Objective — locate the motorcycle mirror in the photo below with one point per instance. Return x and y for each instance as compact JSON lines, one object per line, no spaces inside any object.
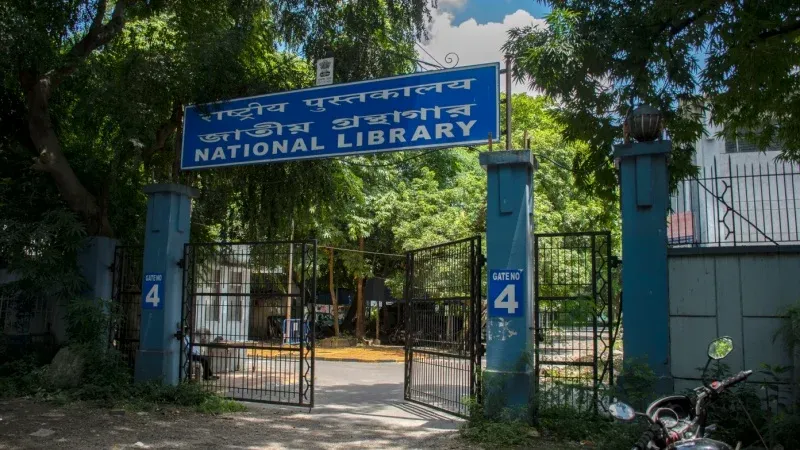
{"x":720,"y":347}
{"x":622,"y":411}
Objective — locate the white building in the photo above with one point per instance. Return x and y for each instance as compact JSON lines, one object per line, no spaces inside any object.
{"x":741,"y":196}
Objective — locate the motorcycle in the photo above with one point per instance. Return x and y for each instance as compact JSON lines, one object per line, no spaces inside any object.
{"x":679,"y":422}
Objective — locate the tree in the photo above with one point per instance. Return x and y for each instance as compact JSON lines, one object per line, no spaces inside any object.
{"x":90,"y":111}
{"x":596,"y":59}
{"x":99,"y":85}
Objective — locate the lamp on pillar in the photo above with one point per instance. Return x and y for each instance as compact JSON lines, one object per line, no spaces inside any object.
{"x":644,"y":199}
{"x":645,"y":123}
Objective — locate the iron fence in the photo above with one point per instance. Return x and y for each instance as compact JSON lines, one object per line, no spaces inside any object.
{"x":731,"y":204}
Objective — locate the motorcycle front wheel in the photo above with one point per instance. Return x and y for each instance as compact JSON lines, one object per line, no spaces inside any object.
{"x":701,"y":444}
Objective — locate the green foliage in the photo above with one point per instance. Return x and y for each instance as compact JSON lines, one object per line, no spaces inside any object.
{"x":635,"y":384}
{"x":728,"y":410}
{"x":41,"y":252}
{"x":21,"y":376}
{"x":106,"y":377}
{"x":556,"y":427}
{"x":597,"y":58}
{"x":87,"y":322}
{"x":117,"y":116}
{"x":789,"y":331}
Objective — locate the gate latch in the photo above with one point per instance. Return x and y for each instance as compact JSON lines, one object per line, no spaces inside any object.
{"x":179,"y":334}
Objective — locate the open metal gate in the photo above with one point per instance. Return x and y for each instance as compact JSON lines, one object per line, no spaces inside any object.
{"x":248,"y":310}
{"x":443,"y":325}
{"x":573,"y":319}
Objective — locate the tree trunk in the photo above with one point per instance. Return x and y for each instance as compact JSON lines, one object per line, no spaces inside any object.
{"x":360,"y":325}
{"x":51,"y":160}
{"x":38,"y":88}
{"x":334,"y":300}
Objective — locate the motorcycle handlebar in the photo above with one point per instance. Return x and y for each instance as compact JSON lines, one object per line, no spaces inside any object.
{"x":728,"y":382}
{"x":645,"y":439}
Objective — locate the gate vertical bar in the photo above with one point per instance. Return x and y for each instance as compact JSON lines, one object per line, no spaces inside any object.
{"x":314,"y":318}
{"x":302,"y":306}
{"x":471,"y":315}
{"x":408,"y":321}
{"x":182,"y":364}
{"x":593,"y":254}
{"x":610,"y":310}
{"x":537,"y":326}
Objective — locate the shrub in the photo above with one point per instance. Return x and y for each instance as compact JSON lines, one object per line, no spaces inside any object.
{"x":106,"y":378}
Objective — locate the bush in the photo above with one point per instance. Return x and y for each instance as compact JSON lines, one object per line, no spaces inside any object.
{"x":106,"y":377}
{"x":554,"y":424}
{"x":555,"y":421}
{"x":23,"y":376}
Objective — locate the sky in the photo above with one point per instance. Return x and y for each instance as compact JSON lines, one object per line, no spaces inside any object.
{"x":477,"y":29}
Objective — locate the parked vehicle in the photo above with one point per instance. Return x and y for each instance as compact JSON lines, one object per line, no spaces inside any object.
{"x":678,"y":421}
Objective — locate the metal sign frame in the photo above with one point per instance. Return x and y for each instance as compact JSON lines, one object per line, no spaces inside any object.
{"x":364,"y":107}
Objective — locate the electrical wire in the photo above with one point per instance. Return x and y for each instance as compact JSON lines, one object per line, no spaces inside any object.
{"x":395,"y":163}
{"x":360,"y":251}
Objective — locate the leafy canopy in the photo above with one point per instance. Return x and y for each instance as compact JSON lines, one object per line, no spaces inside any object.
{"x":597,"y":58}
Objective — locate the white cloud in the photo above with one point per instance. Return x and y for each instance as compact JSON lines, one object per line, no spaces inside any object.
{"x":474,"y":43}
{"x":451,"y":4}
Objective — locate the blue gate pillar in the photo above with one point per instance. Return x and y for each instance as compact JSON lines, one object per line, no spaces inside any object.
{"x":166,"y":233}
{"x":644,"y":198}
{"x":509,"y":213}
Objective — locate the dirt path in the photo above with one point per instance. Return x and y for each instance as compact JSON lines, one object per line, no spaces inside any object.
{"x":358,"y":405}
{"x":27,"y":424}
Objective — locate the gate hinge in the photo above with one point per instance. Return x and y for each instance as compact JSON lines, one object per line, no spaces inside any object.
{"x":181,"y":262}
{"x":481,"y":260}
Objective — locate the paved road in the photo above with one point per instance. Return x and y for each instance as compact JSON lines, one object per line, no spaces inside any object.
{"x":373,"y":392}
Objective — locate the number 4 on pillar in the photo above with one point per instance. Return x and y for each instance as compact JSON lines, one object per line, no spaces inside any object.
{"x":506,"y":298}
{"x":152,"y":290}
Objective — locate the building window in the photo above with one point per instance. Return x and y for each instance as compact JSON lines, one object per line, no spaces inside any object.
{"x":741,"y":145}
{"x":216,"y":291}
{"x":235,"y":300}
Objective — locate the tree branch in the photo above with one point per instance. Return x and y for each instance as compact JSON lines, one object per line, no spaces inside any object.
{"x":164,"y":132}
{"x":786,"y":29}
{"x":99,"y":34}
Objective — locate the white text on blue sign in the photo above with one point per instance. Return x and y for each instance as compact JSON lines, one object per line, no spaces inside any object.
{"x":152,"y":291}
{"x":506,"y":293}
{"x":425,"y":110}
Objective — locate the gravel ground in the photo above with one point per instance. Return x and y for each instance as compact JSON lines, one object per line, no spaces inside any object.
{"x":359,"y":405}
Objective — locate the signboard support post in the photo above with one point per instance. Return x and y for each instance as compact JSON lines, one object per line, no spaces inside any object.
{"x":508,"y":102}
{"x":510,"y":295}
{"x":166,"y":233}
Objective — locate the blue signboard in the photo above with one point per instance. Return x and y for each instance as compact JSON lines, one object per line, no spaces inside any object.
{"x":423,"y":110}
{"x":506,"y":296}
{"x":152,"y":291}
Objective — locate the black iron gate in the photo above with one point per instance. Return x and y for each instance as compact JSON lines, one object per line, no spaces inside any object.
{"x":126,"y":294}
{"x":573,"y":319}
{"x":247,"y":324}
{"x":443,"y":325}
